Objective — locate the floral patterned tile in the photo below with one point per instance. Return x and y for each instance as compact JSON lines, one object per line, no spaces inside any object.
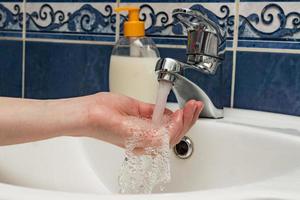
{"x":97,"y":20}
{"x":11,"y":19}
{"x":159,"y":21}
{"x":71,"y":20}
{"x":276,"y":24}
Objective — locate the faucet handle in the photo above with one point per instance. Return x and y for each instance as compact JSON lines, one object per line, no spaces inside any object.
{"x":193,"y":19}
{"x":206,"y":38}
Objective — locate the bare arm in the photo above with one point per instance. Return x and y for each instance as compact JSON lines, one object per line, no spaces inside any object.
{"x":26,"y":120}
{"x":99,"y":116}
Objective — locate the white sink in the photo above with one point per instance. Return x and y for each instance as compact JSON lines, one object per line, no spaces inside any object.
{"x":246,"y":155}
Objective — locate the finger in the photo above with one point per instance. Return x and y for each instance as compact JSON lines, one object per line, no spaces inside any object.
{"x":185,"y":128}
{"x":178,"y":138}
{"x":146,"y":110}
{"x":200,"y":107}
{"x":188,"y":115}
{"x":189,"y":118}
{"x":176,"y":127}
{"x":168,"y":112}
{"x":139,"y":151}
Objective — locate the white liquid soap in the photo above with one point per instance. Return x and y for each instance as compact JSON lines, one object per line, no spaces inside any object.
{"x":134,"y":77}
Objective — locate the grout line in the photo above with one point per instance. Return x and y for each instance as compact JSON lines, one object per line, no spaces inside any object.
{"x":267,"y":50}
{"x":171,"y":46}
{"x":234,"y":46}
{"x":11,"y":38}
{"x":70,"y":41}
{"x":242,"y":49}
{"x":90,"y":42}
{"x":69,"y":34}
{"x":174,"y":46}
{"x":23,"y":48}
{"x":99,"y":42}
{"x":117,"y":22}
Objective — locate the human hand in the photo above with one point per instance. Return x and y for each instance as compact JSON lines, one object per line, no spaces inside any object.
{"x":108,"y":113}
{"x":103,"y":116}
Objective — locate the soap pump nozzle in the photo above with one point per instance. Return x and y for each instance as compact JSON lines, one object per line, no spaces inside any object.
{"x":133,"y":27}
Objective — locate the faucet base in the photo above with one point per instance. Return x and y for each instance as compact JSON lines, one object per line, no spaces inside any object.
{"x":186,"y":90}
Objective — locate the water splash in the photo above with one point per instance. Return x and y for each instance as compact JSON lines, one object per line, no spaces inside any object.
{"x":146,"y":164}
{"x":147,"y":154}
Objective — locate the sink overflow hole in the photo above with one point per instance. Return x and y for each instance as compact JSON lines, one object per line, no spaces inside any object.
{"x":184,"y":149}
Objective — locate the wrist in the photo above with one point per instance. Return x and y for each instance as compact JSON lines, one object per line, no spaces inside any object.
{"x":69,"y":116}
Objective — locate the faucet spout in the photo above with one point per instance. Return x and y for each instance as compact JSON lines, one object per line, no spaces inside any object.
{"x":206,"y":45}
{"x":171,"y":70}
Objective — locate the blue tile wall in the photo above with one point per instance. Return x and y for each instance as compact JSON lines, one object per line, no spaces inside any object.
{"x":268,"y":82}
{"x":57,"y":70}
{"x":10,"y":68}
{"x":68,"y":44}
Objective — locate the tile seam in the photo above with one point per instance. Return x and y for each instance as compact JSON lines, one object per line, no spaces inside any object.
{"x":242,"y":49}
{"x":23,"y":48}
{"x":269,"y":50}
{"x":234,"y":46}
{"x":117,"y":35}
{"x":69,"y":41}
{"x":11,"y":38}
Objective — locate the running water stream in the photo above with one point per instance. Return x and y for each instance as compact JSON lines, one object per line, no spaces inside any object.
{"x":164,"y":89}
{"x":147,"y":162}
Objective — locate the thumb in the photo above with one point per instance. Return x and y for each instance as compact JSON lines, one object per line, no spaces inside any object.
{"x":176,"y":126}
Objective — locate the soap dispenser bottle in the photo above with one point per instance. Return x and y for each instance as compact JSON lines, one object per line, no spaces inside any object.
{"x":133,"y":61}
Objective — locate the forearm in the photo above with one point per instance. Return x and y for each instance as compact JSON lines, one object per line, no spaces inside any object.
{"x":26,"y":120}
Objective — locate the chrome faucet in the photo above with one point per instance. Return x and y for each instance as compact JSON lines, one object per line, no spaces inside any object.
{"x":205,"y":52}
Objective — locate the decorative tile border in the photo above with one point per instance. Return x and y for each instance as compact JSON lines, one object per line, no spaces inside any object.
{"x":261,"y":23}
{"x":11,"y":19}
{"x":160,"y":24}
{"x":159,"y":21}
{"x":86,"y":20}
{"x":269,"y":22}
{"x":77,"y":18}
{"x":79,"y":21}
{"x":100,"y":18}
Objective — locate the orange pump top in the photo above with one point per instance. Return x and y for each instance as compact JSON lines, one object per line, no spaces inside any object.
{"x":133,"y":27}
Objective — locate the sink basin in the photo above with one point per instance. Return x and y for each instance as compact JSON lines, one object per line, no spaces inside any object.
{"x":245,"y":151}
